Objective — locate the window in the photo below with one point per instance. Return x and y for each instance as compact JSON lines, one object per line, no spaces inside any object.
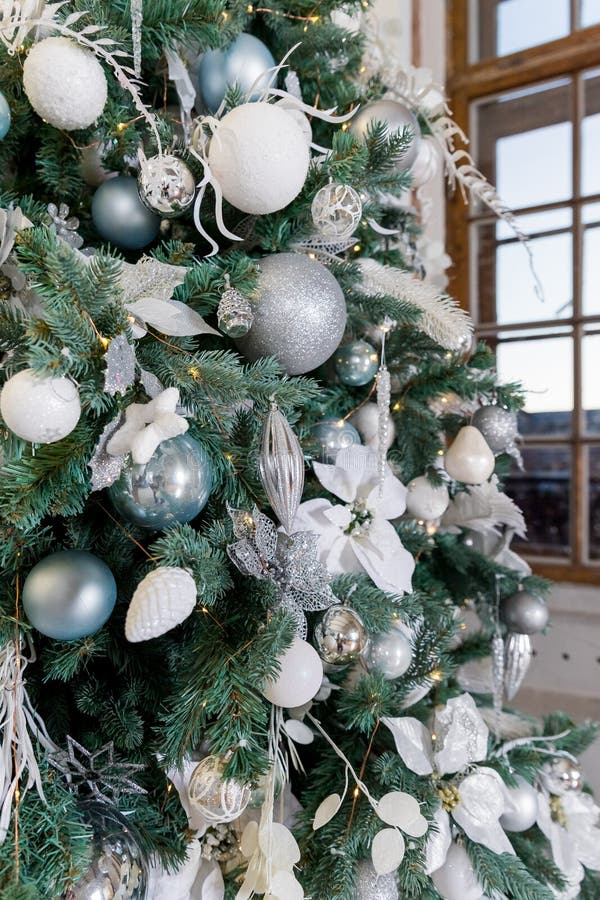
{"x":526,"y":87}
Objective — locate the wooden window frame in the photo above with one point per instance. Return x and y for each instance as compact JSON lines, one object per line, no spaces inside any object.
{"x":474,"y":81}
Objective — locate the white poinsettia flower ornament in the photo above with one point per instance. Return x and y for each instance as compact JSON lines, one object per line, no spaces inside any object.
{"x":571,"y":824}
{"x":357,"y":536}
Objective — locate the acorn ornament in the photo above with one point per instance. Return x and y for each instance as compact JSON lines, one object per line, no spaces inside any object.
{"x":469,"y":458}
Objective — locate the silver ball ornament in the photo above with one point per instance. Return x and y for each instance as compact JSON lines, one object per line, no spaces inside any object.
{"x":242,"y":64}
{"x":396,"y":116}
{"x":522,"y":808}
{"x":371,"y":886}
{"x":173,"y":487}
{"x":215,"y":797}
{"x":117,"y":869}
{"x":166,"y":186}
{"x":498,"y":426}
{"x":336,"y":210}
{"x":524,"y":613}
{"x":561,"y":775}
{"x":340,"y":635}
{"x":119,"y":215}
{"x":333,"y":435}
{"x":299,"y":313}
{"x":389,"y":653}
{"x":356,"y":363}
{"x":69,"y":595}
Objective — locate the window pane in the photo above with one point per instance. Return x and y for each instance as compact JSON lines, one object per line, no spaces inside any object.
{"x":594,"y":503}
{"x":591,"y":255}
{"x":505,"y":26}
{"x":590,"y":354}
{"x":589,"y":12}
{"x":533,"y":223}
{"x":543,"y":493}
{"x":545,"y":369}
{"x":516,"y":298}
{"x":590,"y":135}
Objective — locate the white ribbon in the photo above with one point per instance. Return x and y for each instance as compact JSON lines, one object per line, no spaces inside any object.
{"x":186,"y":92}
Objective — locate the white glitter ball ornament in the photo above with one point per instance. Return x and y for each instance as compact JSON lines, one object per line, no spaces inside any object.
{"x":162,"y":600}
{"x":216,"y":798}
{"x":64,"y":83}
{"x":336,"y":210}
{"x":40,"y":410}
{"x":260,"y":157}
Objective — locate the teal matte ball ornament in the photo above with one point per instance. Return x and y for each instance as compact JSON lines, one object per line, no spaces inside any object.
{"x":172,"y":487}
{"x":356,"y":363}
{"x":241,"y":64}
{"x":4,"y":116}
{"x":331,"y":436}
{"x":120,"y":217}
{"x":69,"y":595}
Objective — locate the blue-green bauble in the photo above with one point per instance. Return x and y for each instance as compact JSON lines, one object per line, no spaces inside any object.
{"x":242,"y":63}
{"x":69,"y":595}
{"x":356,"y":363}
{"x":173,"y":487}
{"x":120,"y":217}
{"x":331,"y":436}
{"x":4,"y":116}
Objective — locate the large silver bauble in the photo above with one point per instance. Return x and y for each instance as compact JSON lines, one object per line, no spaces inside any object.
{"x":117,"y":870}
{"x":524,"y":613}
{"x":562,"y":774}
{"x":242,"y":64}
{"x":173,"y":487}
{"x":497,"y":425}
{"x":333,"y":435}
{"x":356,"y":363}
{"x":69,"y":595}
{"x":166,"y":185}
{"x":522,"y":807}
{"x":340,"y":635}
{"x":389,"y":652}
{"x":397,"y":116}
{"x":216,"y":798}
{"x":299,"y":313}
{"x":371,"y":886}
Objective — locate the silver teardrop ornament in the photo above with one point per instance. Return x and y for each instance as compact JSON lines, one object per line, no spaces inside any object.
{"x":281,"y":466}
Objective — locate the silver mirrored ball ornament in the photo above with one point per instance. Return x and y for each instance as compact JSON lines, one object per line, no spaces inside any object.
{"x":333,"y":435}
{"x":336,"y":210}
{"x":215,"y":797}
{"x":389,"y":653}
{"x":340,"y":635}
{"x":119,"y":215}
{"x":524,"y":613}
{"x":173,"y":487}
{"x":498,"y":426}
{"x":562,"y":774}
{"x":396,"y":116}
{"x":242,"y":63}
{"x":356,"y":363}
{"x":166,"y":185}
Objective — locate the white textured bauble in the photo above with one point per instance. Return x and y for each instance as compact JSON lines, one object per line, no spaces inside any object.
{"x":456,"y":880}
{"x":469,"y":458}
{"x":40,"y":410}
{"x":300,"y":676}
{"x":336,"y":210}
{"x":64,"y":83}
{"x":299,"y":117}
{"x":299,"y":313}
{"x":162,"y":600}
{"x":216,"y":798}
{"x":371,"y":886}
{"x":521,"y":810}
{"x":366,"y":420}
{"x":260,"y":157}
{"x":425,"y":500}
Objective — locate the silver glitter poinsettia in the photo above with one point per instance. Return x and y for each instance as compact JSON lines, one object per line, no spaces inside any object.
{"x":290,"y":561}
{"x":103,"y":776}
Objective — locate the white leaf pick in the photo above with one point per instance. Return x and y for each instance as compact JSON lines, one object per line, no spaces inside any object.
{"x":417,"y":827}
{"x":279,"y":846}
{"x":298,"y":731}
{"x":249,"y":841}
{"x":396,"y":808}
{"x":387,"y":851}
{"x":171,"y":317}
{"x":326,"y":810}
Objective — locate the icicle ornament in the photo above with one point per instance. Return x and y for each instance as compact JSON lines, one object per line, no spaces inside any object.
{"x":384,"y":396}
{"x":281,"y":465}
{"x":137,"y":16}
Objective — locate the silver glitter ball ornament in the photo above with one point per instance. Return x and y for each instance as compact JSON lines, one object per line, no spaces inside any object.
{"x":299,"y":313}
{"x":173,"y":487}
{"x":333,"y":435}
{"x":524,"y":613}
{"x":389,"y":652}
{"x":498,"y":426}
{"x":340,"y":636}
{"x":215,"y":797}
{"x":521,"y":808}
{"x":396,"y":116}
{"x":166,"y":186}
{"x":234,"y":314}
{"x":562,"y":774}
{"x":117,"y":869}
{"x":371,"y":886}
{"x":356,"y":363}
{"x":336,"y":210}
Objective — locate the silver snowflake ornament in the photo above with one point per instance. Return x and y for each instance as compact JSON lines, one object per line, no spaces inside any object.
{"x":98,"y":772}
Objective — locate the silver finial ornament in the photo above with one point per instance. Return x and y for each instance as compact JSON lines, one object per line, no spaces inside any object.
{"x":281,"y":465}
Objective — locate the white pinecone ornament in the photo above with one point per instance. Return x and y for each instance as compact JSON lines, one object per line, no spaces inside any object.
{"x":162,"y":600}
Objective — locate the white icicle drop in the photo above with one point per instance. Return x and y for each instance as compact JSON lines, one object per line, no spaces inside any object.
{"x":162,"y":600}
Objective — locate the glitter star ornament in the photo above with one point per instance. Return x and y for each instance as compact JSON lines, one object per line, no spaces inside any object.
{"x":96,"y":773}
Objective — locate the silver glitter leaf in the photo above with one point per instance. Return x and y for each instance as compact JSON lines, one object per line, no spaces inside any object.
{"x":105,"y":468}
{"x":151,"y":384}
{"x":281,"y":466}
{"x":517,"y":658}
{"x":102,"y":776}
{"x":120,"y":366}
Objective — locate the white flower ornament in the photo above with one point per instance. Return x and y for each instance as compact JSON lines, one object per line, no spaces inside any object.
{"x":570,"y":822}
{"x":146,"y":426}
{"x":358,"y":536}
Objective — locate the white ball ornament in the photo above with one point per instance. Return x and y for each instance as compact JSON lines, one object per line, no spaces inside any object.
{"x":521,"y":810}
{"x":260,"y":157}
{"x":162,"y":600}
{"x":425,"y":500}
{"x":366,"y":420}
{"x":64,"y":83}
{"x":456,"y":879}
{"x":469,"y":458}
{"x":300,"y":676}
{"x":40,"y":410}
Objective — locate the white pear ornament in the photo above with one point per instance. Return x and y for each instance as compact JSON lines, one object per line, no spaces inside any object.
{"x":469,"y":458}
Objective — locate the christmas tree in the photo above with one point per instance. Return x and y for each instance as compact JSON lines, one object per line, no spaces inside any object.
{"x":251,"y":486}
